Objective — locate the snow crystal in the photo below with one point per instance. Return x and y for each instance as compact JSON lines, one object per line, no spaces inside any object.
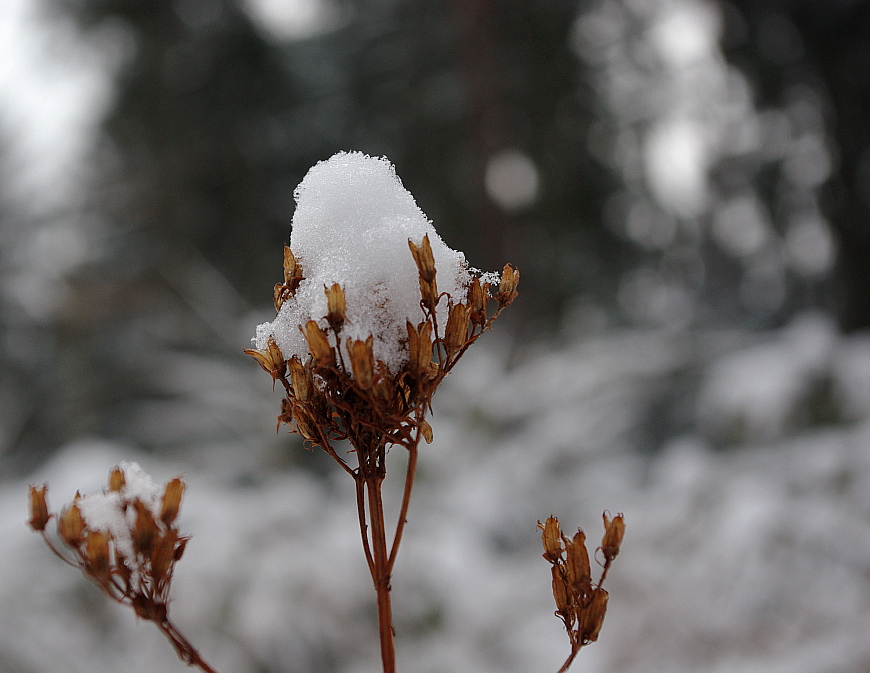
{"x":352,"y":224}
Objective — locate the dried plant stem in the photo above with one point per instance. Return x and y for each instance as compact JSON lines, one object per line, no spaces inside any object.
{"x":381,"y":573}
{"x":186,"y":652}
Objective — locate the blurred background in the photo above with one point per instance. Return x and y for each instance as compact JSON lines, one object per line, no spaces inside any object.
{"x":685,"y":186}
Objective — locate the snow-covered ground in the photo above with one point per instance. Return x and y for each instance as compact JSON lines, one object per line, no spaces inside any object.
{"x":746,"y":550}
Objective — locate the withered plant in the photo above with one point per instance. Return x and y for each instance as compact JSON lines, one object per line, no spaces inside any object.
{"x":580,"y":603}
{"x":127,"y":544}
{"x":341,"y":391}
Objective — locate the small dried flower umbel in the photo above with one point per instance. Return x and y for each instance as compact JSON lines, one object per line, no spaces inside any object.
{"x":341,"y":391}
{"x":125,"y":541}
{"x":580,"y":602}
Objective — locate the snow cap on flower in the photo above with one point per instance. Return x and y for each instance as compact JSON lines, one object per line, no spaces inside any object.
{"x":353,"y":223}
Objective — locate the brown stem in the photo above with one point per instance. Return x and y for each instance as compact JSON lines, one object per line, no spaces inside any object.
{"x":186,"y":652}
{"x":363,"y":526}
{"x":406,"y":499}
{"x":382,"y":572}
{"x":575,"y":648}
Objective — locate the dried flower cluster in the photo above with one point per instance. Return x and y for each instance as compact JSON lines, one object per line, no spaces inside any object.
{"x":127,"y":542}
{"x":341,"y":391}
{"x":580,"y":603}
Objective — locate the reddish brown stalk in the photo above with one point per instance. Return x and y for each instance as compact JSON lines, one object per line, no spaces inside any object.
{"x":381,"y":573}
{"x":186,"y":652}
{"x":406,"y":500}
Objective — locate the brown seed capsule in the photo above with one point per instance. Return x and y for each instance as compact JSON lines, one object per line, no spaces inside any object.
{"x":560,"y":591}
{"x":336,"y":307}
{"x":171,"y":502}
{"x":318,"y":344}
{"x":39,"y":515}
{"x":614,"y":531}
{"x":292,"y":270}
{"x":300,"y":380}
{"x":423,"y":257}
{"x":97,"y":553}
{"x":271,"y":359}
{"x":456,"y":332}
{"x":419,"y":347}
{"x":551,"y":536}
{"x":593,"y":616}
{"x":362,"y":362}
{"x":117,"y":480}
{"x":577,"y":564}
{"x":507,"y":288}
{"x":477,"y":295}
{"x":71,"y":525}
{"x":144,"y":529}
{"x":163,"y":555}
{"x":426,"y":431}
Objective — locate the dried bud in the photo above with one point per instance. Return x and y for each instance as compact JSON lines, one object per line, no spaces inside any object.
{"x":318,"y":344}
{"x":117,"y":480}
{"x":593,"y":616}
{"x":560,"y":591}
{"x":614,"y":530}
{"x":456,"y":332}
{"x":579,"y":574}
{"x":97,"y":553}
{"x":163,"y":555}
{"x":39,"y":515}
{"x":271,"y":359}
{"x":292,"y":270}
{"x":423,"y":257}
{"x":144,"y":529}
{"x":171,"y":500}
{"x":300,"y":378}
{"x":477,"y":296}
{"x":71,"y":525}
{"x":336,"y":307}
{"x":426,"y":431}
{"x":362,"y":362}
{"x":304,"y":425}
{"x":507,"y":288}
{"x":419,"y":347}
{"x":551,"y":536}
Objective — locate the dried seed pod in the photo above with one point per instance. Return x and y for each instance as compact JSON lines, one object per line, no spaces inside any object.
{"x":577,"y":563}
{"x":560,"y":592}
{"x":145,"y":529}
{"x":300,"y":380}
{"x":362,"y":362}
{"x":97,"y":553}
{"x":336,"y":307}
{"x":426,"y":431}
{"x":423,"y":257}
{"x":507,"y":288}
{"x":456,"y":332}
{"x":614,"y":531}
{"x":593,"y":616}
{"x":171,"y":501}
{"x":117,"y":480}
{"x":163,"y":555}
{"x":271,"y":359}
{"x":551,"y":536}
{"x":292,"y":270}
{"x":419,"y":347}
{"x":39,"y":515}
{"x":318,"y":344}
{"x":477,"y":296}
{"x":71,"y":526}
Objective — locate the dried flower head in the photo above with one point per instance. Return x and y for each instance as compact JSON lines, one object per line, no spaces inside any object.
{"x":126,"y":541}
{"x":580,"y":603}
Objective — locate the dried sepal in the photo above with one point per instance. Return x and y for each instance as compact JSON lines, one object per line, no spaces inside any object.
{"x":97,"y":553}
{"x":477,"y":297}
{"x":300,"y":380}
{"x":39,"y":515}
{"x":456,"y":332}
{"x":507,"y":288}
{"x":336,"y":307}
{"x":271,"y":359}
{"x":560,"y":592}
{"x":171,"y":501}
{"x":419,"y":347}
{"x":71,"y":525}
{"x":318,"y":343}
{"x":551,"y":537}
{"x":577,"y":562}
{"x":292,"y":270}
{"x":362,"y":361}
{"x":614,"y":531}
{"x":117,"y":480}
{"x":426,"y":269}
{"x":593,"y":616}
{"x":145,"y":528}
{"x":426,"y":431}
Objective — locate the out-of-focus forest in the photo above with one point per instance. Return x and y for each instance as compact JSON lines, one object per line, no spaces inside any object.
{"x":685,"y":187}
